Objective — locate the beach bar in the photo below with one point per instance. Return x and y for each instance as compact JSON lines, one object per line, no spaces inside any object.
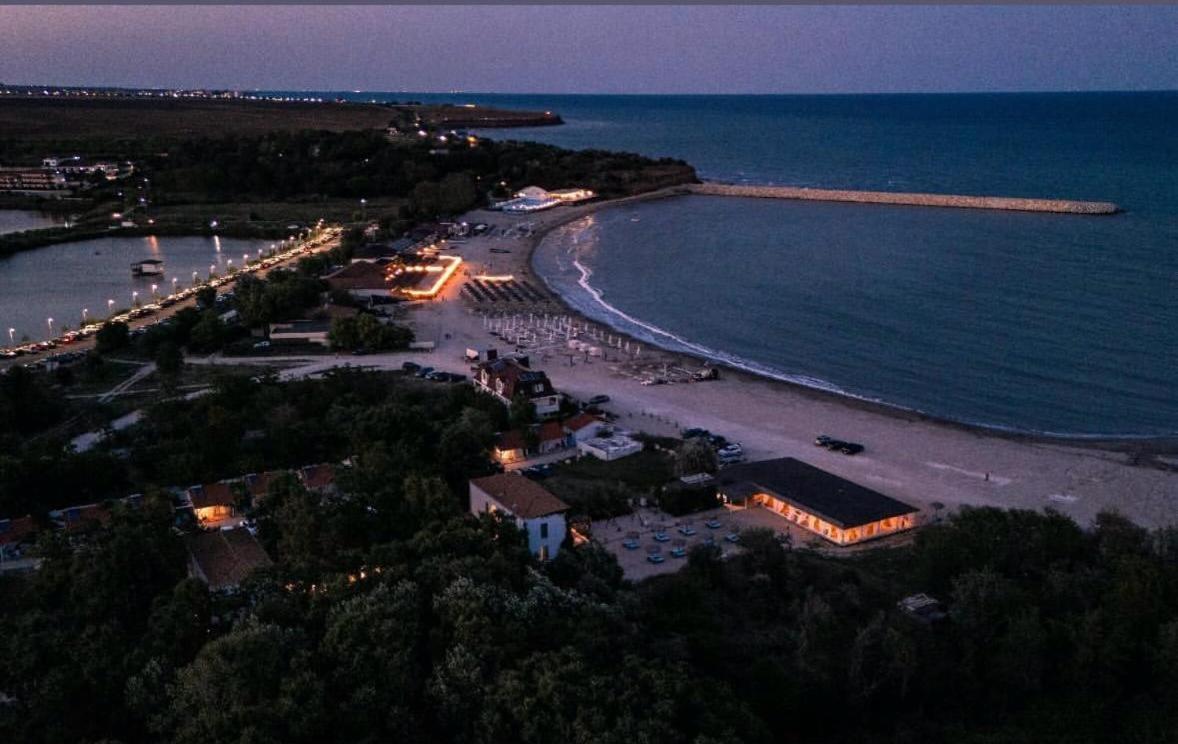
{"x":831,"y":507}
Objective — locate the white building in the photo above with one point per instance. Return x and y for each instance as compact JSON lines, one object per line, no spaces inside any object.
{"x":584,"y":426}
{"x":307,"y":331}
{"x":610,"y":448}
{"x":531,"y":506}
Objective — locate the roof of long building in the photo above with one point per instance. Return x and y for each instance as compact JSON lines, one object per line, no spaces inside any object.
{"x":837,"y":500}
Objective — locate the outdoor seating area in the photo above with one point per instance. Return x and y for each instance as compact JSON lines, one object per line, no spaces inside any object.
{"x":650,"y":542}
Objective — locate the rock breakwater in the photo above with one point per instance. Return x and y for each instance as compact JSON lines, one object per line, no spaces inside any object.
{"x":1016,"y":204}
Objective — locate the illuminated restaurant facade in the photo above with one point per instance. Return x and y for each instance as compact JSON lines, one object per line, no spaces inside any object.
{"x":834,"y":508}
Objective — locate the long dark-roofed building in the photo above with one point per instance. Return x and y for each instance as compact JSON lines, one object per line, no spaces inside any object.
{"x":834,"y":508}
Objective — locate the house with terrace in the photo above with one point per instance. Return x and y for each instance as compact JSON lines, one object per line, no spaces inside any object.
{"x":507,"y":378}
{"x":831,"y":507}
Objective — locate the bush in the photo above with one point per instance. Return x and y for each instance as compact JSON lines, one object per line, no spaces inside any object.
{"x":678,"y":499}
{"x":366,"y":332}
{"x":112,"y":336}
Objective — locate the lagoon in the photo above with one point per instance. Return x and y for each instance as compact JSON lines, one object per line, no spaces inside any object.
{"x":16,"y":220}
{"x":58,"y":281}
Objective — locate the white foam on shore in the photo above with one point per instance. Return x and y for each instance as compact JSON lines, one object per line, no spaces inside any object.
{"x":572,"y":232}
{"x":699,"y":349}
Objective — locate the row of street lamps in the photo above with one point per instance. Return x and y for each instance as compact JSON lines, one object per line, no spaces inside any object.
{"x":110,"y":304}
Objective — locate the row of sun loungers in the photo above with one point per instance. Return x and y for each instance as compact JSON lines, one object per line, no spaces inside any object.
{"x":502,"y":292}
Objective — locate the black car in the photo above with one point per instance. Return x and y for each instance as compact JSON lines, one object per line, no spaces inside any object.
{"x":410,"y":367}
{"x":838,"y":445}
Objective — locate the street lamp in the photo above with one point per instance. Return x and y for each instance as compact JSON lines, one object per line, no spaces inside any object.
{"x":11,"y":336}
{"x":364,"y":207}
{"x":135,"y":298}
{"x":85,"y":315}
{"x":110,"y":306}
{"x":154,"y":287}
{"x":174,"y":280}
{"x":50,"y":322}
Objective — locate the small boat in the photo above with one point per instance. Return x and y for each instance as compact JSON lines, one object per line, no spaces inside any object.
{"x":148,"y":267}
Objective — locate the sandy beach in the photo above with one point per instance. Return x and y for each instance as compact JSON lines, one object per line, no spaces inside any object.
{"x":908,"y":456}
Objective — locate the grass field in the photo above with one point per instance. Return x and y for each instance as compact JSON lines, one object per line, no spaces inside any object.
{"x":39,"y":118}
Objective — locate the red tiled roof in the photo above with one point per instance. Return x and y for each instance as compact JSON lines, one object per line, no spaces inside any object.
{"x":580,"y":421}
{"x":318,"y":476}
{"x":259,"y":483}
{"x":516,"y":378}
{"x":76,"y":518}
{"x":521,"y":496}
{"x":212,"y":494}
{"x":226,"y":557}
{"x":361,"y":275}
{"x":510,"y":440}
{"x":13,"y":531}
{"x":550,"y":431}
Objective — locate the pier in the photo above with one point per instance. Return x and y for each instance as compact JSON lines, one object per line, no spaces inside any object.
{"x":1004,"y":203}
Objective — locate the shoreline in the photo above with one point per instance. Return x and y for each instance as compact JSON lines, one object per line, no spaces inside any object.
{"x":1154,"y":444}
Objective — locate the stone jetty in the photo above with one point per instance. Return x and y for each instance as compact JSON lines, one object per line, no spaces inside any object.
{"x":1058,"y":206}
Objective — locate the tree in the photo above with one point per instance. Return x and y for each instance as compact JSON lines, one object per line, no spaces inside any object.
{"x":169,"y":360}
{"x":373,"y":646}
{"x":208,"y":334}
{"x":252,"y":685}
{"x":206,"y":297}
{"x":112,"y":336}
{"x":695,"y":456}
{"x":522,"y":413}
{"x":363,"y":331}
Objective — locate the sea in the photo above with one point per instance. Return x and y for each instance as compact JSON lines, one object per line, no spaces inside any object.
{"x":1050,"y":324}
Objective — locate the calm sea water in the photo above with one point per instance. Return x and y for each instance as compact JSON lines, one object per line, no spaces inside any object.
{"x":1030,"y":322}
{"x":58,"y":281}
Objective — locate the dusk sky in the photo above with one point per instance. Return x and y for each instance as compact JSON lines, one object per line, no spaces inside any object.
{"x":596,"y":49}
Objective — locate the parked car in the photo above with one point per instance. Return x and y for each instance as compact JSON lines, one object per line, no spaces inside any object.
{"x":597,"y":400}
{"x":838,"y":445}
{"x":422,"y":372}
{"x":410,"y":367}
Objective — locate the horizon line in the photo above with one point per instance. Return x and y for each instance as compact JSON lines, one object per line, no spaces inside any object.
{"x":353,"y":91}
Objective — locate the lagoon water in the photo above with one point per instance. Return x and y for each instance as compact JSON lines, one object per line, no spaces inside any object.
{"x":58,"y":281}
{"x":16,"y":220}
